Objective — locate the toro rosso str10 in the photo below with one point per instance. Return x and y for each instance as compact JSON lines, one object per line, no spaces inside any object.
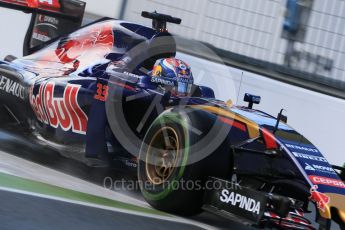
{"x":89,"y":88}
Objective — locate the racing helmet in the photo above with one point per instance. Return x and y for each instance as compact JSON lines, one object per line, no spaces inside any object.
{"x":175,"y":73}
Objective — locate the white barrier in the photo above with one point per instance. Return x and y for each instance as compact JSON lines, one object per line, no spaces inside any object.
{"x":317,"y":116}
{"x":13,"y":26}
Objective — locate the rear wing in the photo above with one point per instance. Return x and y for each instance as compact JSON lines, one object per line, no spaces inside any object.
{"x":50,"y":19}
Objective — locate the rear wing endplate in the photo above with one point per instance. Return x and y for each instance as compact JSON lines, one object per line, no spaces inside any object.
{"x":50,"y":19}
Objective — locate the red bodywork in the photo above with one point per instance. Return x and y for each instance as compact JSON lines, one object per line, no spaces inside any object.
{"x":49,"y":5}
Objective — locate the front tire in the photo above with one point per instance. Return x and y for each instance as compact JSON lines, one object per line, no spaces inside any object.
{"x":170,"y":180}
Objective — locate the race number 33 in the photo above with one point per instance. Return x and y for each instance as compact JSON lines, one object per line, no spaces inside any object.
{"x":102,"y":92}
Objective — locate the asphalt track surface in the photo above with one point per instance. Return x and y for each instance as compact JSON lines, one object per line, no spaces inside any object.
{"x":20,"y":211}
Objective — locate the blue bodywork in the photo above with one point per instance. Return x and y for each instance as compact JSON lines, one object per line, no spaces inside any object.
{"x":62,"y":91}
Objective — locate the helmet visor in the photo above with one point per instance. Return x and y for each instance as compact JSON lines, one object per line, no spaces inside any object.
{"x":184,"y":88}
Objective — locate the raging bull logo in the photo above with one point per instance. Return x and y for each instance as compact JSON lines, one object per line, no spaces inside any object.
{"x":240,"y":201}
{"x":11,"y":87}
{"x":63,"y":112}
{"x":319,"y":198}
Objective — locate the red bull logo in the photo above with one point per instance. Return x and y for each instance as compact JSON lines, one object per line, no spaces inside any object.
{"x":157,"y":71}
{"x":62,"y":112}
{"x":183,"y":72}
{"x":319,"y":198}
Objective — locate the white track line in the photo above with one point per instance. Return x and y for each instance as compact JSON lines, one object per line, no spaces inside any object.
{"x":19,"y":167}
{"x":130,"y":212}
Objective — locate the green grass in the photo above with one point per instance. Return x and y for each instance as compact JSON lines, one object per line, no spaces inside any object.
{"x":14,"y":182}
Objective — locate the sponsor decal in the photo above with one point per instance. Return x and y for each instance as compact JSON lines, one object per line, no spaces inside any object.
{"x":131,"y":74}
{"x":327,"y":181}
{"x":184,"y":79}
{"x":309,"y":167}
{"x":313,"y":150}
{"x":319,"y":198}
{"x":47,"y":19}
{"x":309,"y":157}
{"x":162,"y":81}
{"x":62,"y":112}
{"x":240,"y":201}
{"x":11,"y":87}
{"x":319,"y":168}
{"x":40,"y":35}
{"x":131,"y":164}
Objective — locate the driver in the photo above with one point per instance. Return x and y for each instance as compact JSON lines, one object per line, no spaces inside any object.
{"x":173,"y":75}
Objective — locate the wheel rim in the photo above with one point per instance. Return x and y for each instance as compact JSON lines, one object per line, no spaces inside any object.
{"x":162,"y":155}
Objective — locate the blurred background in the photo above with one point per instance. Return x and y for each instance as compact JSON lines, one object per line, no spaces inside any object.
{"x":291,"y":52}
{"x":305,"y":35}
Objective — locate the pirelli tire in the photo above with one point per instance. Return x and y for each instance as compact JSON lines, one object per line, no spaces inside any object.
{"x":180,"y":188}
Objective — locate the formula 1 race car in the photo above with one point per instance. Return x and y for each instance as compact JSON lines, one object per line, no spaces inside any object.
{"x":88,"y":89}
